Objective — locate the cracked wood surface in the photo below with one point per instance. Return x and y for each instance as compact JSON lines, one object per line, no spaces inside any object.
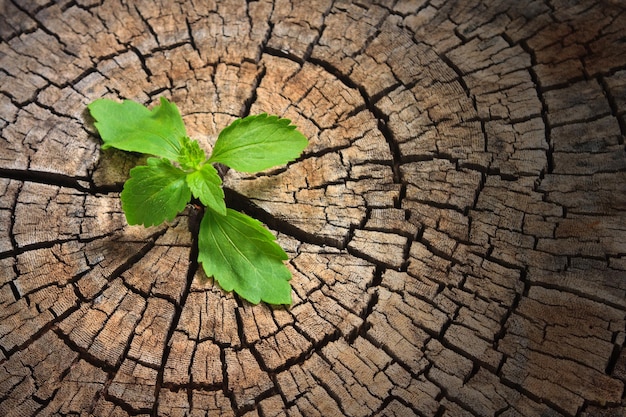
{"x":456,"y":228}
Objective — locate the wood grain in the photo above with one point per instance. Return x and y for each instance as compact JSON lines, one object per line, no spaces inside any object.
{"x":456,"y":228}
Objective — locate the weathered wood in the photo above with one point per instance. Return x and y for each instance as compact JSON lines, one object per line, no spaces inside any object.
{"x":456,"y":228}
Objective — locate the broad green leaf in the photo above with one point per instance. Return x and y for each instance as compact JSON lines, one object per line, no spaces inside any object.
{"x":258,"y":142}
{"x":191,"y":156}
{"x":154,"y":193}
{"x":243,"y":256}
{"x":205,"y":184}
{"x":129,"y":126}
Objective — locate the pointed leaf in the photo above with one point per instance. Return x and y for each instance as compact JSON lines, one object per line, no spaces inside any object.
{"x":258,"y":142}
{"x":129,"y":126}
{"x":243,"y":256}
{"x":154,"y":193}
{"x":191,"y":156}
{"x":205,"y":184}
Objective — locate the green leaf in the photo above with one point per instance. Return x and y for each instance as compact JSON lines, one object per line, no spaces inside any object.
{"x":129,"y":126}
{"x":191,"y":156}
{"x":258,"y":142}
{"x":154,"y":193}
{"x":205,"y":184}
{"x":243,"y":256}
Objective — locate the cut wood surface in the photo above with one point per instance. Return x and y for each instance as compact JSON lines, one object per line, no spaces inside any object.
{"x":456,"y":228}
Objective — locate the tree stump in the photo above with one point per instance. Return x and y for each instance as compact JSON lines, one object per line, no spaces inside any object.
{"x":456,"y":228}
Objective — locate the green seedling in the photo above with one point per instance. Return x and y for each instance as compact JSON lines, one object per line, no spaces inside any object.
{"x":234,"y":248}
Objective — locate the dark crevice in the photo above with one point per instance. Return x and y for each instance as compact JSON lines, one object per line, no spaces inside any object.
{"x":225,"y":381}
{"x":160,"y":48}
{"x":279,"y":53}
{"x":381,"y":117}
{"x":362,"y":255}
{"x":438,"y":156}
{"x":51,"y":325}
{"x":311,"y":290}
{"x":460,"y":401}
{"x":299,"y":359}
{"x":374,"y":99}
{"x":125,"y":266}
{"x":194,"y":227}
{"x":192,"y":40}
{"x":148,"y":25}
{"x":409,"y":369}
{"x":16,"y":32}
{"x":248,"y":408}
{"x":439,"y":205}
{"x":556,"y":355}
{"x":489,"y":256}
{"x":142,"y":60}
{"x":507,"y":119}
{"x":509,"y":312}
{"x":371,"y":304}
{"x":495,"y":172}
{"x":83,"y":353}
{"x":544,"y":107}
{"x":248,"y":102}
{"x":315,"y":347}
{"x":38,"y":245}
{"x":350,"y":236}
{"x":191,"y":386}
{"x":33,"y":15}
{"x":241,"y":203}
{"x":240,"y":325}
{"x":581,"y":294}
{"x":589,"y":119}
{"x":268,"y":32}
{"x":407,"y":159}
{"x":14,"y":290}
{"x":68,"y":84}
{"x":47,"y":178}
{"x":158,"y":92}
{"x":401,"y":196}
{"x":467,"y":210}
{"x":477,"y":362}
{"x":68,"y":5}
{"x":459,"y":78}
{"x":320,"y":33}
{"x":613,"y":360}
{"x":475,"y":368}
{"x":329,"y":389}
{"x":615,"y":111}
{"x":383,"y":127}
{"x":129,"y":409}
{"x":316,"y":154}
{"x":406,"y":254}
{"x":532,"y":396}
{"x":14,"y":244}
{"x":98,"y":395}
{"x":391,"y":398}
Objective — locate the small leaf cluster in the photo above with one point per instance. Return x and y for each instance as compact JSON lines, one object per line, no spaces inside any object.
{"x":233,"y":248}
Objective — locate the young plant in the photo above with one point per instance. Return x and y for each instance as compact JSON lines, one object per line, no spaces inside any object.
{"x":234,"y":248}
